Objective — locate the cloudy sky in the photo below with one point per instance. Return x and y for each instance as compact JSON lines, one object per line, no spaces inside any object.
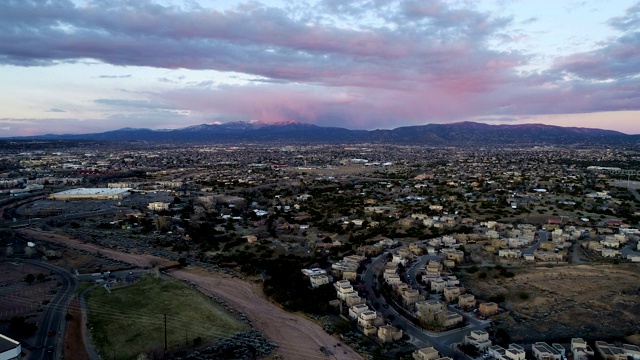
{"x":74,"y":66}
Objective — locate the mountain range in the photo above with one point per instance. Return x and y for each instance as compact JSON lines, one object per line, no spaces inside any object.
{"x":461,"y":133}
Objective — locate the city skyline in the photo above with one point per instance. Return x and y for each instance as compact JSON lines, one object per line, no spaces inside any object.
{"x":84,"y":66}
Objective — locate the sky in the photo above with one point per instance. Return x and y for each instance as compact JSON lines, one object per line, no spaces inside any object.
{"x":75,"y":66}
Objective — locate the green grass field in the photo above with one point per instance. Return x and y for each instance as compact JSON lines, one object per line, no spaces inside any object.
{"x":130,"y":321}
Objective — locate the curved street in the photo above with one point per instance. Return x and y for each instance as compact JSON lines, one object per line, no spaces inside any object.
{"x":419,"y":337}
{"x":54,"y":315}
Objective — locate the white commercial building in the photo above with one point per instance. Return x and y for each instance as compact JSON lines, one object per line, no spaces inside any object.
{"x":9,"y":348}
{"x":91,"y":194}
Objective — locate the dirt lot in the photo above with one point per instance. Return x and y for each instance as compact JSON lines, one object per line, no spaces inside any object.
{"x":17,"y":298}
{"x":140,"y":260}
{"x":589,"y":301}
{"x":296,"y":336}
{"x":73,"y":341}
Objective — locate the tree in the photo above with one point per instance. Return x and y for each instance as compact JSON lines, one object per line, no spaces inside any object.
{"x":161,"y":223}
{"x":29,"y":251}
{"x":343,"y":327}
{"x":378,"y":354}
{"x":29,"y":279}
{"x":19,"y":326}
{"x":502,"y":336}
{"x":40,"y":277}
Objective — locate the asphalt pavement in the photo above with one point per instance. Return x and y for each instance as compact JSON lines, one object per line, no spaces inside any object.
{"x":442,"y":341}
{"x":54,"y":314}
{"x":542,"y":237}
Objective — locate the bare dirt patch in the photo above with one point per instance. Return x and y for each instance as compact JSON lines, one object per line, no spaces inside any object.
{"x":74,"y":347}
{"x":17,"y":298}
{"x":590,"y":301}
{"x":140,"y":260}
{"x":633,"y":339}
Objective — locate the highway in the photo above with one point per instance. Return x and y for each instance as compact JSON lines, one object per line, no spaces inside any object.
{"x":54,"y":315}
{"x":419,"y":337}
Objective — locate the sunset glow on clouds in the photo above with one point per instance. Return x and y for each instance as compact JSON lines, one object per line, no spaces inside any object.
{"x":90,"y":66}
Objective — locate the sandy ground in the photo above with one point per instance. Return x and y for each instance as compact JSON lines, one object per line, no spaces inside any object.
{"x":296,"y":336}
{"x":73,"y":341}
{"x":572,"y":300}
{"x":17,"y":298}
{"x":140,"y":260}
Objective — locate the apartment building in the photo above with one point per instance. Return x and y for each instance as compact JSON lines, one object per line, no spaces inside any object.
{"x":488,"y":309}
{"x":479,"y":339}
{"x":543,"y":351}
{"x":389,"y":333}
{"x":580,"y":349}
{"x":467,"y":302}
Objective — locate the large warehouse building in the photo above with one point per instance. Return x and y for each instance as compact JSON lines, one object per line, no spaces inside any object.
{"x":91,"y":194}
{"x":9,"y":348}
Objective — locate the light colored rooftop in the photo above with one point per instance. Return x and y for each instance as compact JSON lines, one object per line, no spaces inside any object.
{"x":93,"y":191}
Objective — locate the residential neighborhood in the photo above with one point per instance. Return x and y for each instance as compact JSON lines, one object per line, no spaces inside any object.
{"x":393,"y":253}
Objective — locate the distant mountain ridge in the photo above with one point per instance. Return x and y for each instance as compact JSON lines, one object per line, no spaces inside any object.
{"x":460,"y":133}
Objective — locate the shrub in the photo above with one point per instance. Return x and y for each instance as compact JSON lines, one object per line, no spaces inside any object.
{"x":472,"y":270}
{"x":497,"y":298}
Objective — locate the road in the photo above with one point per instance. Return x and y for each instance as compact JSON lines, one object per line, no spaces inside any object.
{"x":543,"y":235}
{"x":121,"y":274}
{"x":66,"y":217}
{"x":419,"y":337}
{"x":54,"y":315}
{"x":628,"y":250}
{"x":411,"y":272}
{"x":575,"y":254}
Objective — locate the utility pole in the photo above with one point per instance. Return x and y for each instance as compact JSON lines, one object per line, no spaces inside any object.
{"x":165,"y":333}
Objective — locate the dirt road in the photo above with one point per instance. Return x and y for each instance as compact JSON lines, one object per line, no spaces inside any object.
{"x":140,"y":260}
{"x":296,"y":336}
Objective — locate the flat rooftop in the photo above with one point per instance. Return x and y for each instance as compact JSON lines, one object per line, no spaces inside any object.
{"x":6,"y":343}
{"x":93,"y":191}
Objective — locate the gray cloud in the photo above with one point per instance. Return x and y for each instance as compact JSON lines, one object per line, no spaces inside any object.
{"x":137,"y":104}
{"x":253,"y":39}
{"x":617,"y":59}
{"x":408,"y":61}
{"x":114,"y":76}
